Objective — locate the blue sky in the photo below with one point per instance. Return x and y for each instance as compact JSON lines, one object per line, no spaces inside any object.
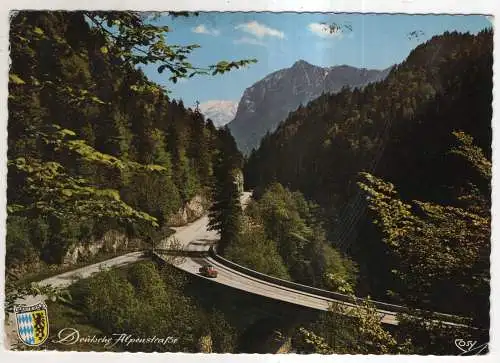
{"x":277,"y":40}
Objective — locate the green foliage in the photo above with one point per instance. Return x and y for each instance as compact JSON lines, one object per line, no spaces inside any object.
{"x":39,"y":242}
{"x":439,"y":247}
{"x":340,"y":272}
{"x":312,"y":343}
{"x":18,"y":242}
{"x":473,"y":154}
{"x":222,"y":333}
{"x":225,"y":213}
{"x":14,"y":78}
{"x":141,"y":304}
{"x":154,"y":193}
{"x":93,"y":142}
{"x":349,"y":330}
{"x":283,"y":223}
{"x":134,"y":38}
{"x":430,"y":247}
{"x":187,"y":174}
{"x":55,"y":193}
{"x":146,"y":301}
{"x":399,"y":129}
{"x":253,"y":250}
{"x":430,"y":336}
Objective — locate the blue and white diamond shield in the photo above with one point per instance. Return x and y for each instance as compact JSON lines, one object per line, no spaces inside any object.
{"x":32,"y":324}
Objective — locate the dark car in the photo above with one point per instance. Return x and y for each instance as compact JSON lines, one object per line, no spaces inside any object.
{"x":208,"y":271}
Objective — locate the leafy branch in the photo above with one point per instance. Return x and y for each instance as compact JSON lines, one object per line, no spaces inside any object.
{"x":52,"y":190}
{"x":129,"y":36}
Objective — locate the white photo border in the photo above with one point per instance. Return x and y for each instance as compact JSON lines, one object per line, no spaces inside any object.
{"x":483,"y":7}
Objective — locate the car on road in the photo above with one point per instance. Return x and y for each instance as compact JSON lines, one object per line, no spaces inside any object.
{"x":208,"y":271}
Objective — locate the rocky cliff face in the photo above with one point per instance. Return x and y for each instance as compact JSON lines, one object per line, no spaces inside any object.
{"x":265,"y":104}
{"x":113,"y":241}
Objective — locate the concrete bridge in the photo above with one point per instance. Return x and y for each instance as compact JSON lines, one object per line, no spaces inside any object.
{"x":197,"y":249}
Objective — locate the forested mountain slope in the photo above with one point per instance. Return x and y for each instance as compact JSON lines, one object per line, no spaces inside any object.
{"x":401,"y":130}
{"x":267,"y":102}
{"x":93,"y":144}
{"x":398,"y":127}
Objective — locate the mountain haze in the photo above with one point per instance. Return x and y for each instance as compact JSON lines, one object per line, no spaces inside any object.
{"x":266,"y":103}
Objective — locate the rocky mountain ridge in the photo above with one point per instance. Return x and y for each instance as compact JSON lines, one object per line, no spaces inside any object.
{"x":267,"y":102}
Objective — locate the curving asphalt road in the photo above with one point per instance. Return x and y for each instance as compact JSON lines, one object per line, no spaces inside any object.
{"x":197,"y":238}
{"x":188,"y":233}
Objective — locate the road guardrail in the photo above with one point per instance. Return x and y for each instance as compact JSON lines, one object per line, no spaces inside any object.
{"x":386,"y":307}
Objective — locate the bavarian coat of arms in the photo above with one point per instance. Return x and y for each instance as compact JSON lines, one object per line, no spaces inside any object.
{"x":32,"y":324}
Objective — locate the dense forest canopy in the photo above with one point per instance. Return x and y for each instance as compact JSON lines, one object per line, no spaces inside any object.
{"x":443,"y":85}
{"x":93,"y":144}
{"x":282,"y":234}
{"x":402,"y":133}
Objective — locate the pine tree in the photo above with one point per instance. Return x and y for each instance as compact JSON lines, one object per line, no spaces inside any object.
{"x":225,"y":213}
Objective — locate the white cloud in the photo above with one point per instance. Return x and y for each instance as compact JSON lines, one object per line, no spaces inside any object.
{"x":260,"y":30}
{"x":202,"y":29}
{"x":248,"y":40}
{"x":324,"y":31}
{"x":491,"y":19}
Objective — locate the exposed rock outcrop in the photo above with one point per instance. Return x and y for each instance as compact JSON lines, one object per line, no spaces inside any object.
{"x":111,"y":242}
{"x":191,"y":211}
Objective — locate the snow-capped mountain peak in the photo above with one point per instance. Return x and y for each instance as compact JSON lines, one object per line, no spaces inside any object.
{"x":219,"y":111}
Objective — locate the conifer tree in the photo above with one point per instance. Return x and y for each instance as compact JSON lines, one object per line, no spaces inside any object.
{"x":225,"y":213}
